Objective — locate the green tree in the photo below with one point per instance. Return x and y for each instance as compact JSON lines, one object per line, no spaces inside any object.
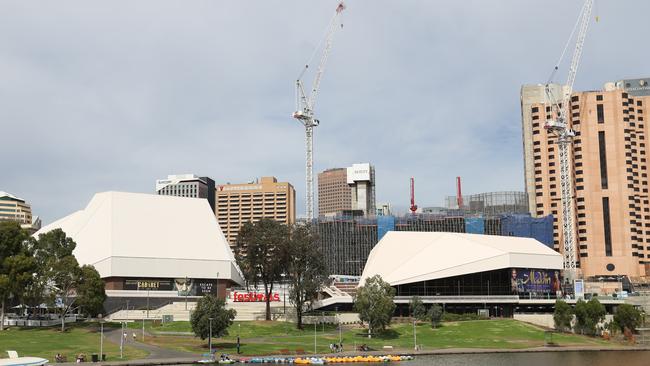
{"x":59,"y":270}
{"x":16,"y":264}
{"x":417,"y":309}
{"x":91,"y":291}
{"x":374,"y":303}
{"x":260,"y":251}
{"x":588,"y":316}
{"x":562,"y":316}
{"x":435,"y":315}
{"x":305,"y":268}
{"x":627,"y":316}
{"x":211,"y":307}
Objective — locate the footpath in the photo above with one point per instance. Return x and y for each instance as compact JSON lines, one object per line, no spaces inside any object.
{"x":157,"y":355}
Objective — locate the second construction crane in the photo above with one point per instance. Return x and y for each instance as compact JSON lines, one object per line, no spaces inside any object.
{"x":558,"y":125}
{"x":305,"y":105}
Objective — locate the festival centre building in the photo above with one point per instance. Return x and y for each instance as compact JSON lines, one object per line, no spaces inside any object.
{"x":150,"y":249}
{"x":466,"y":273}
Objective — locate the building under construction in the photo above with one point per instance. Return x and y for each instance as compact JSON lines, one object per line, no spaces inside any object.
{"x":346,"y":242}
{"x":489,"y":203}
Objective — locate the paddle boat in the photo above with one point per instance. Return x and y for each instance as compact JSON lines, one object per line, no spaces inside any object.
{"x":14,"y":360}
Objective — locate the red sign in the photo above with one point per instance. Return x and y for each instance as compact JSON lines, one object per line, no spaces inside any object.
{"x":253,"y":297}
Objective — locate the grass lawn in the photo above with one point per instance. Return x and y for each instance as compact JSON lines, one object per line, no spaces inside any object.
{"x":47,"y":342}
{"x":259,"y":338}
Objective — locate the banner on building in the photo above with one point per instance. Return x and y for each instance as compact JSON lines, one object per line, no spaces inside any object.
{"x":535,"y":281}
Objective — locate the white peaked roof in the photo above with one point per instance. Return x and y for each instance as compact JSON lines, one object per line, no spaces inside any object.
{"x":405,"y":257}
{"x":144,"y":235}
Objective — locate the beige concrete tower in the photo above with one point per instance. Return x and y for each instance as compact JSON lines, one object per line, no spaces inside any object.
{"x":334,"y":194}
{"x":240,"y":203}
{"x":610,"y":174}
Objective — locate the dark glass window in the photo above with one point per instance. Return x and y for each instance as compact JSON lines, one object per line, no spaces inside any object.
{"x":601,"y":113}
{"x":603,"y":159}
{"x":607,"y":228}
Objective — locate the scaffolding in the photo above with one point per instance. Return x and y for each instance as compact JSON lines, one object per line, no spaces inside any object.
{"x":346,"y":241}
{"x":491,"y":203}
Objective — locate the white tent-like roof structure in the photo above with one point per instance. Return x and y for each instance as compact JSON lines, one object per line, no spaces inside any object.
{"x":150,"y":236}
{"x":403,"y":257}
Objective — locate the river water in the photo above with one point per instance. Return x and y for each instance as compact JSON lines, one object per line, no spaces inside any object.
{"x":583,"y":358}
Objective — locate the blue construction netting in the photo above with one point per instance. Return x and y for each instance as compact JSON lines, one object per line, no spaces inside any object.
{"x":525,"y":226}
{"x":384,"y":225}
{"x":475,"y":225}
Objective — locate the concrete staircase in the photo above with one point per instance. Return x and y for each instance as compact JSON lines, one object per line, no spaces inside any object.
{"x":246,"y":311}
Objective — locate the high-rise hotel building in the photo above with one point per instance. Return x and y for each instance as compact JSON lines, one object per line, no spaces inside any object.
{"x":609,"y":173}
{"x":187,"y":185}
{"x":334,"y":193}
{"x":241,"y":203}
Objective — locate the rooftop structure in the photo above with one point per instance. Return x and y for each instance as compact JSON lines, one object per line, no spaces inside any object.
{"x":187,"y":185}
{"x":407,"y":257}
{"x":147,"y":242}
{"x":346,"y":242}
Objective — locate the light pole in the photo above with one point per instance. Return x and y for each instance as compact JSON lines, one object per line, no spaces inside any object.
{"x":186,"y":291}
{"x":101,"y":336}
{"x":147,"y":303}
{"x":122,"y":339}
{"x":314,"y":334}
{"x":127,"y":309}
{"x":338,"y":321}
{"x":143,"y":326}
{"x":415,"y":338}
{"x":210,"y":335}
{"x":284,"y":295}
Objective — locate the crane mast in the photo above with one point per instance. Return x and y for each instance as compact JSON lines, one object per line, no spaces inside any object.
{"x":559,"y":127}
{"x":305,"y":105}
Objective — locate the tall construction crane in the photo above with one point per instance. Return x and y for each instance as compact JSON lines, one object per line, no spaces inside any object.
{"x":558,"y":125}
{"x":305,"y":105}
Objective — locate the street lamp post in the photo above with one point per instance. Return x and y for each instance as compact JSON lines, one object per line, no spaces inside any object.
{"x":186,"y":291}
{"x":338,"y":321}
{"x":122,"y":339}
{"x":415,"y":338}
{"x":147,"y":303}
{"x":143,"y":326}
{"x":210,"y":335}
{"x":314,"y":335}
{"x":101,"y":336}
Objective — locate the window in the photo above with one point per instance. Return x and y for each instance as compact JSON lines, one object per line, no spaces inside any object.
{"x":601,"y":113}
{"x":599,"y":97}
{"x":535,"y":109}
{"x":603,"y":159}
{"x":607,"y":228}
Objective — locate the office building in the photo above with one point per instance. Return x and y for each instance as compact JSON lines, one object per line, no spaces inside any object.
{"x":16,"y":209}
{"x":265,"y":198}
{"x":334,"y":193}
{"x":361,"y":178}
{"x":609,"y":174}
{"x":187,"y":185}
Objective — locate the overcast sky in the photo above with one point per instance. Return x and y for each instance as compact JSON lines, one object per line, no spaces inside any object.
{"x":112,"y":95}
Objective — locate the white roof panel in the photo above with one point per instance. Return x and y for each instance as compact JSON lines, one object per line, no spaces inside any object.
{"x":406,"y":257}
{"x":145,"y":235}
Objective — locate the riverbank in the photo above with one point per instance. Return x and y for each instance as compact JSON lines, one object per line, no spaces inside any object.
{"x":439,"y":352}
{"x":172,"y":341}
